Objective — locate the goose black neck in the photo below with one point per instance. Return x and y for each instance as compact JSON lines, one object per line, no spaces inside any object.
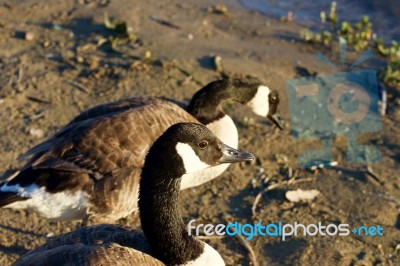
{"x":206,"y":103}
{"x":159,"y":210}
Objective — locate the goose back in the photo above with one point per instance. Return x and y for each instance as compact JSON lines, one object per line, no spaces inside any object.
{"x":92,"y":246}
{"x":100,"y":155}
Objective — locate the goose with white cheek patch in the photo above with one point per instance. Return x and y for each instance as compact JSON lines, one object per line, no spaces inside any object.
{"x":90,"y":169}
{"x":183,"y":149}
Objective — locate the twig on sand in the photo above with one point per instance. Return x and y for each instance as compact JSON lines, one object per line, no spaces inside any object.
{"x":20,"y":74}
{"x":77,"y":85}
{"x":164,"y":22}
{"x":10,"y":81}
{"x":256,"y":201}
{"x":373,"y":175}
{"x":290,"y":172}
{"x":34,"y":99}
{"x":242,"y":241}
{"x":291,"y":181}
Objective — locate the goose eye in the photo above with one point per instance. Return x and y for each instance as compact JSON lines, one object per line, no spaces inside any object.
{"x":203,"y":144}
{"x":273,"y":99}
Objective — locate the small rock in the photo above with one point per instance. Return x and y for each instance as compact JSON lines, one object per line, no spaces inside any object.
{"x":46,"y":44}
{"x":218,"y":9}
{"x":217,"y":60}
{"x":147,"y":55}
{"x":79,"y":59}
{"x":36,"y":132}
{"x":29,"y":36}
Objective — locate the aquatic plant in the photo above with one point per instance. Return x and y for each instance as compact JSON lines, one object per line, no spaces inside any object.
{"x":359,"y":36}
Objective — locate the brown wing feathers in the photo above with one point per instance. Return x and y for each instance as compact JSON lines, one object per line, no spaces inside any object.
{"x":102,"y":153}
{"x":95,"y":245}
{"x":97,"y":146}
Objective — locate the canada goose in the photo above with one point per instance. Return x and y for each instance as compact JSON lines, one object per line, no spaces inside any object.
{"x":183,"y":148}
{"x":88,"y":170}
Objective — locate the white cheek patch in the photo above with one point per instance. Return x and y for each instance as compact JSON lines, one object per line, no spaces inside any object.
{"x":259,"y":104}
{"x":191,"y":161}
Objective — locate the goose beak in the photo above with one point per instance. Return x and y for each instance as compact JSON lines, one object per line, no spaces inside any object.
{"x":273,"y":100}
{"x":231,"y":155}
{"x":276,"y":120}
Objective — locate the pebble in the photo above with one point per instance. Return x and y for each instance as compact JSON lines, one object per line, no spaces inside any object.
{"x":29,"y":36}
{"x":46,"y":44}
{"x":147,"y":55}
{"x":36,"y":132}
{"x":79,"y":59}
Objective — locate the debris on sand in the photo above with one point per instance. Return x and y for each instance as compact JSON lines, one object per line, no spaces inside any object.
{"x":218,"y":9}
{"x":301,"y":195}
{"x":36,"y":132}
{"x":217,"y":63}
{"x":323,"y":165}
{"x":119,"y":26}
{"x":164,"y":22}
{"x":29,"y":36}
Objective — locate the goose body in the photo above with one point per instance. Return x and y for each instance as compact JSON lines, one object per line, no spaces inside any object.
{"x":164,"y":240}
{"x":90,"y":169}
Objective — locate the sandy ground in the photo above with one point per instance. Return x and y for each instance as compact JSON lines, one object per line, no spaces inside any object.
{"x":48,"y":80}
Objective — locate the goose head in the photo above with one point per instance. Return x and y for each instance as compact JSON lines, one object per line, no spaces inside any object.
{"x":183,"y":148}
{"x":206,"y":104}
{"x":265,"y":103}
{"x":205,"y":150}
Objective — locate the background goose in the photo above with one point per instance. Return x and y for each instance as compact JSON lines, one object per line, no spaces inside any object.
{"x":89,"y":169}
{"x":184,"y":148}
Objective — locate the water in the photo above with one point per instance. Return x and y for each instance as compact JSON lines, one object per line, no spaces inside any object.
{"x":384,"y":14}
